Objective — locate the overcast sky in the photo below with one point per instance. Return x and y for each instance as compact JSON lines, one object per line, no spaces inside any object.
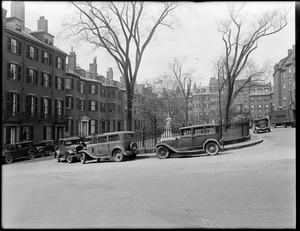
{"x":197,"y":40}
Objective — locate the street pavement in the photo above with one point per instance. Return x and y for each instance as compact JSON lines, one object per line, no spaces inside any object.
{"x":250,"y":187}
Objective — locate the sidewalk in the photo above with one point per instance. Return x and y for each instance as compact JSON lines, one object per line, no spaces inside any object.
{"x":255,"y":139}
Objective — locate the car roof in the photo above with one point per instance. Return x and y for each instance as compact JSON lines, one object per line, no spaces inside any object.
{"x":199,"y":126}
{"x":70,"y":138}
{"x":42,"y":141}
{"x":257,"y":120}
{"x":115,"y":133}
{"x":23,"y":142}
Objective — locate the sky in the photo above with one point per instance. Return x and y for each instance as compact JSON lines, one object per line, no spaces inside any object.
{"x":196,"y":39}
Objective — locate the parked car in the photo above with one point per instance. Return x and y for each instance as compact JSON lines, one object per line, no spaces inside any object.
{"x":192,"y":140}
{"x":261,"y":125}
{"x":88,"y":140}
{"x":68,"y":149}
{"x":20,"y":150}
{"x":45,"y":147}
{"x":115,"y":145}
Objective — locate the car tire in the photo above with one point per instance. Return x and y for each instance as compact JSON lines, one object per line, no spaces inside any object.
{"x":162,"y":152}
{"x":8,"y":159}
{"x":83,"y":158}
{"x":43,"y":153}
{"x":70,"y":159}
{"x":212,"y":148}
{"x":31,"y":155}
{"x":118,"y":156}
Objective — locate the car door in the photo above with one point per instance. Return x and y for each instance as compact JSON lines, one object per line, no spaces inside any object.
{"x":199,"y":137}
{"x":102,"y":146}
{"x":186,"y":139}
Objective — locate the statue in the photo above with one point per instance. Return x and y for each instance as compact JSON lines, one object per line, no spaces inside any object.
{"x":168,"y":132}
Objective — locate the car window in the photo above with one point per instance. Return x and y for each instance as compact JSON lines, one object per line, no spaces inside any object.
{"x":186,"y":132}
{"x":199,"y":131}
{"x":102,"y":139}
{"x":71,"y":142}
{"x":114,"y":138}
{"x":209,"y":130}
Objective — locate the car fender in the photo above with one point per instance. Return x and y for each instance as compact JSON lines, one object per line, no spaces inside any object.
{"x":88,"y":154}
{"x":167,"y":146}
{"x":120,"y":147}
{"x":212,"y":140}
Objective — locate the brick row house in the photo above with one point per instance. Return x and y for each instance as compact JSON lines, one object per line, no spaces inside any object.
{"x":45,"y":98}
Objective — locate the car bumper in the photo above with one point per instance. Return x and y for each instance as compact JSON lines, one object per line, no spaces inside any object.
{"x":130,"y":153}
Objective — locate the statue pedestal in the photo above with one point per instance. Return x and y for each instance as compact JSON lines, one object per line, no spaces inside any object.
{"x":167,"y":134}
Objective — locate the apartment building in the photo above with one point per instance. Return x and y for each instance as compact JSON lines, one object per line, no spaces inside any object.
{"x":284,"y":82}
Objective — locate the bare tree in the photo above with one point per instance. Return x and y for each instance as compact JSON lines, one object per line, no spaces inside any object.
{"x":124,"y":30}
{"x":184,"y":80}
{"x":241,"y":36}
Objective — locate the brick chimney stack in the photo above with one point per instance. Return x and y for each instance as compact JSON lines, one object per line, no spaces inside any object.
{"x":43,"y":24}
{"x":72,"y":61}
{"x":18,"y":10}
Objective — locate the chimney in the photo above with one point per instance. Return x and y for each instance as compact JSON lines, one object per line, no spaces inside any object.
{"x":72,"y":61}
{"x":18,"y":10}
{"x":110,"y":73}
{"x":43,"y":24}
{"x":290,"y":51}
{"x":93,"y":68}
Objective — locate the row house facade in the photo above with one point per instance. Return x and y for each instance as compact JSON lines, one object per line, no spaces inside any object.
{"x":284,"y":81}
{"x":33,"y":70}
{"x":43,"y":97}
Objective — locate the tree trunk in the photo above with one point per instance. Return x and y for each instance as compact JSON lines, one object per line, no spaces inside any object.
{"x":129,"y":110}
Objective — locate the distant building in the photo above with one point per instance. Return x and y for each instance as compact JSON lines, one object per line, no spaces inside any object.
{"x":284,"y":82}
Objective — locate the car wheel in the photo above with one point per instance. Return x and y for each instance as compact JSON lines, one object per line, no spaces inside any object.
{"x":8,"y":159}
{"x":162,"y":152}
{"x":55,"y":154}
{"x":211,"y":148}
{"x":70,"y":159}
{"x":82,"y":158}
{"x":30,"y":155}
{"x":118,"y":155}
{"x":43,"y":153}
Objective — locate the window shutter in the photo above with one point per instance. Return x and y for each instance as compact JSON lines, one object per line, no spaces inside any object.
{"x":9,"y":44}
{"x":53,"y":133}
{"x":50,"y":80}
{"x":18,"y":103}
{"x":62,"y":83}
{"x":50,"y":59}
{"x":56,"y":61}
{"x":8,"y":71}
{"x":72,"y":102}
{"x":19,"y":72}
{"x":43,"y":58}
{"x":37,"y":54}
{"x":63,"y":64}
{"x":28,"y":51}
{"x":90,"y":104}
{"x":96,"y":106}
{"x":62,"y":107}
{"x":42,"y":79}
{"x":55,"y":107}
{"x":27,"y":104}
{"x":44,"y":133}
{"x":50,"y":106}
{"x":56,"y":82}
{"x":8,"y":101}
{"x":90,"y":88}
{"x":21,"y":133}
{"x":31,"y":132}
{"x":96,"y":89}
{"x":72,"y":84}
{"x":36,"y":105}
{"x":36,"y":77}
{"x":19,"y":48}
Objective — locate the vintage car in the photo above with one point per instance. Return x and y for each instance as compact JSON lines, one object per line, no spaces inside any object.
{"x":261,"y":125}
{"x":192,"y":140}
{"x":19,"y":150}
{"x":68,"y":149}
{"x":45,"y":147}
{"x":113,"y":145}
{"x":88,"y":140}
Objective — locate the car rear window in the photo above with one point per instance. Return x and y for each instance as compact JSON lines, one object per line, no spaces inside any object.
{"x":209,"y":130}
{"x":199,"y":131}
{"x":114,"y":138}
{"x":102,"y":139}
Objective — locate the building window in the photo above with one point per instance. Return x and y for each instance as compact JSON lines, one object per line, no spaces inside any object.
{"x":48,"y":133}
{"x":119,"y":109}
{"x":93,"y":89}
{"x":93,"y":126}
{"x":26,"y":133}
{"x":259,"y":107}
{"x":112,"y":93}
{"x":14,"y":46}
{"x":93,"y":105}
{"x":252,"y":91}
{"x":81,"y":105}
{"x":82,"y":88}
{"x":252,"y":99}
{"x":70,"y":127}
{"x":14,"y":71}
{"x":266,"y":98}
{"x":69,"y":102}
{"x":267,"y":90}
{"x":59,"y":83}
{"x":45,"y":107}
{"x":284,"y":97}
{"x":46,"y":58}
{"x":111,"y":107}
{"x":32,"y":53}
{"x":266,"y":107}
{"x":31,"y":106}
{"x":13,"y":103}
{"x":259,"y":99}
{"x":259,"y":91}
{"x":252,"y":107}
{"x":59,"y":108}
{"x":289,"y":81}
{"x":46,"y":79}
{"x":31,"y":76}
{"x":59,"y":63}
